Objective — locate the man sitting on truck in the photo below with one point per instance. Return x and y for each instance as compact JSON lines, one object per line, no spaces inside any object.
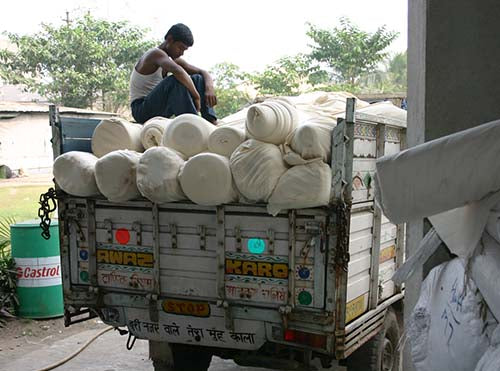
{"x":188,"y":89}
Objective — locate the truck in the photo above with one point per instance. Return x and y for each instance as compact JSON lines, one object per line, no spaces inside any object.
{"x":308,"y":289}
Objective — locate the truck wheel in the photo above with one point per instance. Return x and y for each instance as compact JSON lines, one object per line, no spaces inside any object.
{"x":380,"y":353}
{"x":190,"y":358}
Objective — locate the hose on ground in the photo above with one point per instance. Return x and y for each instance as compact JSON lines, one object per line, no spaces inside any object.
{"x":73,"y":355}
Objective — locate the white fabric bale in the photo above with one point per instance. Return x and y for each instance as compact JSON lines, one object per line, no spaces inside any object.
{"x":157,"y":175}
{"x":312,"y":141}
{"x":115,"y":133}
{"x":302,"y":186}
{"x":74,"y":172}
{"x":225,"y":139}
{"x":188,"y":134}
{"x":385,"y":109}
{"x":206,"y":180}
{"x":490,"y":361}
{"x":152,"y":131}
{"x":447,"y":330}
{"x":271,"y":121}
{"x":116,"y":175}
{"x":256,"y":168}
{"x":456,"y":169}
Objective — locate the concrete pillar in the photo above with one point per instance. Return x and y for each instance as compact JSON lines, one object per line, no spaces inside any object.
{"x":453,"y":82}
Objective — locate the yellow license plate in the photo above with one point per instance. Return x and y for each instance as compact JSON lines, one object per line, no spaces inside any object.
{"x":186,"y":308}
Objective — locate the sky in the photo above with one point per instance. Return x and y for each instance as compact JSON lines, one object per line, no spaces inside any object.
{"x":250,"y":34}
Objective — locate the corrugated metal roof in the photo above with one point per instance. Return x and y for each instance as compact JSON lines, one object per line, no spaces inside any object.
{"x":27,"y":107}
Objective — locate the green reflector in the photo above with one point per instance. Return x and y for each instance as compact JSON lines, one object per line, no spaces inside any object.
{"x":84,"y":276}
{"x":305,"y":298}
{"x":256,"y":245}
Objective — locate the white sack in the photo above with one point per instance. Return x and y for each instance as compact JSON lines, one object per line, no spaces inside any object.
{"x":225,"y":139}
{"x":385,"y":109}
{"x":439,"y":175}
{"x":485,"y":271}
{"x":206,"y":180}
{"x":157,"y":175}
{"x":271,"y":121}
{"x":312,"y":141}
{"x":188,"y":134}
{"x":116,"y":175}
{"x":152,"y":131}
{"x":74,"y":173}
{"x":256,"y":168}
{"x":493,"y":225}
{"x":302,"y":186}
{"x":447,"y":330}
{"x":490,"y":361}
{"x":115,"y":133}
{"x":235,"y":119}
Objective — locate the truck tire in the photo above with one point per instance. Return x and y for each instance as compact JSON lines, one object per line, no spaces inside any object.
{"x":190,"y":358}
{"x":380,"y":353}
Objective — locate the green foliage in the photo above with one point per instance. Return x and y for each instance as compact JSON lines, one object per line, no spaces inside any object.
{"x":349,"y":51}
{"x":8,"y":279}
{"x":288,"y":76}
{"x":229,"y":88}
{"x":390,"y":80}
{"x":397,"y":67}
{"x":77,"y":63}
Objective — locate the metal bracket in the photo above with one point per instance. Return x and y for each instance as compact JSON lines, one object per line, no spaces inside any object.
{"x":270,"y":237}
{"x":237,"y":236}
{"x":173,"y":235}
{"x":285,"y":311}
{"x":202,"y":230}
{"x":136,"y":226}
{"x":229,"y":322}
{"x":153,"y":307}
{"x":109,"y":228}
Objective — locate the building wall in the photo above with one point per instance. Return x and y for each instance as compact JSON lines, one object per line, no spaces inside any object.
{"x":25,"y":142}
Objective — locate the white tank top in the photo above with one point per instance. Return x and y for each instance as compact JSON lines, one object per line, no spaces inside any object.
{"x":141,"y":85}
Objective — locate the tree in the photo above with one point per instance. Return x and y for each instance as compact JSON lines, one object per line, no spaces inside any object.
{"x":229,"y":82}
{"x":397,"y":67}
{"x":76,"y":64}
{"x":391,"y":79}
{"x":349,"y":51}
{"x":287,"y":76}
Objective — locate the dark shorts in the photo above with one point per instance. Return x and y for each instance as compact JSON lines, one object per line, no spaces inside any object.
{"x":169,"y":98}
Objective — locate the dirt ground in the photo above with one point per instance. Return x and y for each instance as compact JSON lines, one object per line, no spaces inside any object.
{"x":28,"y":180}
{"x":21,"y":336}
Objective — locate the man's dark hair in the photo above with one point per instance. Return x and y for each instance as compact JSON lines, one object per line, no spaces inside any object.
{"x":181,"y":32}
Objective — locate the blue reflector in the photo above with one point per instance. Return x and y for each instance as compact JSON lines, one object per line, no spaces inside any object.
{"x":256,"y":245}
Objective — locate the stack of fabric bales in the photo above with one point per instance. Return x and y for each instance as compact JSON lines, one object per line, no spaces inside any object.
{"x":275,"y":152}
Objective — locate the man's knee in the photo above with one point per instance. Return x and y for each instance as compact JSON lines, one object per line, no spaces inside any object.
{"x":197,"y":78}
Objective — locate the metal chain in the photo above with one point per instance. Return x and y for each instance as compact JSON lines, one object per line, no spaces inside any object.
{"x":342,"y":257}
{"x":47,"y":205}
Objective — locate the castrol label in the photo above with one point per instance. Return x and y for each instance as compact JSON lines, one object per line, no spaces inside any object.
{"x":38,"y":272}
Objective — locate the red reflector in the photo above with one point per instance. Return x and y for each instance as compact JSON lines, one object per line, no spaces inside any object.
{"x":305,"y":338}
{"x":122,"y":236}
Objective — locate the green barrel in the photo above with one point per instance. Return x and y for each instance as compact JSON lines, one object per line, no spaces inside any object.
{"x":38,"y":265}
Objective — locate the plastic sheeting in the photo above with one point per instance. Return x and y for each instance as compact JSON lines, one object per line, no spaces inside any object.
{"x":302,"y":186}
{"x":447,"y":328}
{"x":206,"y":180}
{"x":157,"y":175}
{"x":74,"y":173}
{"x":188,"y":134}
{"x":256,"y":169}
{"x":116,"y":175}
{"x":114,"y":134}
{"x":439,"y":175}
{"x":271,"y":121}
{"x":152,"y":131}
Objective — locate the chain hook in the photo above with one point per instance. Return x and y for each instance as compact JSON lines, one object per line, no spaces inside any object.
{"x":47,"y":205}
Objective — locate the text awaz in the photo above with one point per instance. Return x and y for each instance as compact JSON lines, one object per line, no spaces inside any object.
{"x":131,"y":258}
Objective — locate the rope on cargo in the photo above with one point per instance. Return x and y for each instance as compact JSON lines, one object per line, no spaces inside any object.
{"x":71,"y":356}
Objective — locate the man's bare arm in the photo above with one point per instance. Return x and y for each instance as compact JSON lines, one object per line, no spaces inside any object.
{"x":211,"y":99}
{"x":162,"y":60}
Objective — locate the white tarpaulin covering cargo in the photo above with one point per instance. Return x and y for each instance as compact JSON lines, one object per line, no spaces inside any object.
{"x":74,"y":172}
{"x":114,"y":134}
